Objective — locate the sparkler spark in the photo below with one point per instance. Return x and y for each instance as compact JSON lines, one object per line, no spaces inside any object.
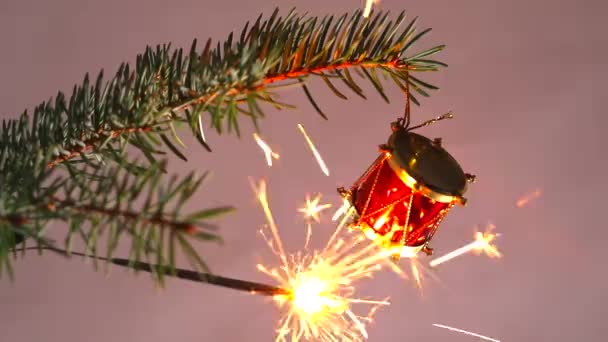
{"x":368,"y":7}
{"x":342,"y":210}
{"x":321,"y":285}
{"x":268,"y":153}
{"x":466,"y":332}
{"x":312,"y":208}
{"x":311,"y":211}
{"x":481,"y":244}
{"x":314,"y":151}
{"x":524,"y":200}
{"x":416,"y":272}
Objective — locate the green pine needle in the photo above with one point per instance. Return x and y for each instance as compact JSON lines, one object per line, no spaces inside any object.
{"x":68,"y":159}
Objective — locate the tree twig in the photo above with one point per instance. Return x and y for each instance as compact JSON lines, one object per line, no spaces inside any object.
{"x":89,"y":144}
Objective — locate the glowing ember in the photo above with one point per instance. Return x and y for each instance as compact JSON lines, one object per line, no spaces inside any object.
{"x":524,"y":200}
{"x":312,"y":208}
{"x":466,"y":332}
{"x":321,"y":284}
{"x":368,"y":7}
{"x":267,"y":150}
{"x":314,"y":151}
{"x":481,"y":244}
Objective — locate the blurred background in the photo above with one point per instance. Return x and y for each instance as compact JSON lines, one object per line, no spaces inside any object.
{"x":524,"y":81}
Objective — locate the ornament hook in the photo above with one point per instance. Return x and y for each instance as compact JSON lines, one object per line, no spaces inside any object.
{"x":447,"y":115}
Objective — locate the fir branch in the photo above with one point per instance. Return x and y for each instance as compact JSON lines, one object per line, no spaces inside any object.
{"x":171,"y":87}
{"x":100,"y":202}
{"x":143,"y":105}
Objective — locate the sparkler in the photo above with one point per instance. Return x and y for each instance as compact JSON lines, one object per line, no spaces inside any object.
{"x":314,"y":151}
{"x":466,"y":332}
{"x":524,"y":200}
{"x":368,"y":7}
{"x":321,"y":284}
{"x":268,"y":152}
{"x":482,"y":243}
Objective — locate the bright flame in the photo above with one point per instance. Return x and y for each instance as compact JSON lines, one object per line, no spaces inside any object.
{"x":310,"y":297}
{"x":481,"y":244}
{"x":524,"y":200}
{"x":268,"y":153}
{"x":321,"y":284}
{"x":312,"y":208}
{"x":314,"y":151}
{"x":368,"y":7}
{"x":466,"y":332}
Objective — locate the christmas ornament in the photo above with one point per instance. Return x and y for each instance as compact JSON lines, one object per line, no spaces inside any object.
{"x":408,"y":190}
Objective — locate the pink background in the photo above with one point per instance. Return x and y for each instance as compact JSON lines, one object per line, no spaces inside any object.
{"x":524,"y":81}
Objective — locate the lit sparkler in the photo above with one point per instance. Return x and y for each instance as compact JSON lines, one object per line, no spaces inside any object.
{"x":314,"y":150}
{"x":268,"y":152}
{"x":466,"y":332}
{"x":481,"y":244}
{"x":524,"y":200}
{"x":368,"y":7}
{"x":321,"y":284}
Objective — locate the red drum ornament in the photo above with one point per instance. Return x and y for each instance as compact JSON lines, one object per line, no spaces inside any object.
{"x":407,"y":192}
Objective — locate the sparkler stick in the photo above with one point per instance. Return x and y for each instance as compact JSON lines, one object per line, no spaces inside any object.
{"x":232,"y":283}
{"x":314,"y":151}
{"x":466,"y":332}
{"x":268,"y":152}
{"x":211,"y":279}
{"x":482,"y":243}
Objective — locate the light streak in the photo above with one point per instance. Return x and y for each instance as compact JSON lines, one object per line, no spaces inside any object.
{"x":268,"y":153}
{"x":321,"y":284}
{"x":342,"y":210}
{"x":200,"y":128}
{"x":314,"y":150}
{"x":481,"y":244}
{"x":416,"y":272}
{"x":466,"y":332}
{"x":312,"y":208}
{"x":524,"y":200}
{"x":368,"y":7}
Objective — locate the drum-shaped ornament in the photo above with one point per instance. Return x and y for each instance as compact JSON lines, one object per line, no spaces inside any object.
{"x":407,"y":192}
